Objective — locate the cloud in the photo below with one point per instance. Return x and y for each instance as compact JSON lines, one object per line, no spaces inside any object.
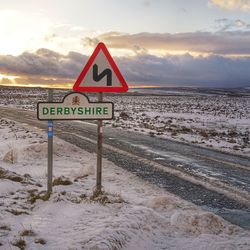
{"x":43,"y":63}
{"x":45,"y":67}
{"x":225,"y":24}
{"x":223,"y":43}
{"x":243,"y":5}
{"x":184,"y":70}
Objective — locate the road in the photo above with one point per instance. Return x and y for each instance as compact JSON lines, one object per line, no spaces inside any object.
{"x":218,"y":182}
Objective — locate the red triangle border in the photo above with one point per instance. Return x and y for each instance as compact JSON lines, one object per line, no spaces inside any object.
{"x":78,"y":88}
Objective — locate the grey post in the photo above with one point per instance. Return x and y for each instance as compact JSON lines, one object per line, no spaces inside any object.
{"x":99,"y":150}
{"x":50,"y":151}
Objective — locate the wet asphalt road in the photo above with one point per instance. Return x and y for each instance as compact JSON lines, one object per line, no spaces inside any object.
{"x":142,"y":154}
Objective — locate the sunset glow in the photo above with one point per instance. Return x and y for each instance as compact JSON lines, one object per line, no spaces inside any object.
{"x":8,"y":77}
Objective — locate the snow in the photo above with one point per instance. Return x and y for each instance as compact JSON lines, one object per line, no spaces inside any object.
{"x":218,"y":120}
{"x":133,"y":214}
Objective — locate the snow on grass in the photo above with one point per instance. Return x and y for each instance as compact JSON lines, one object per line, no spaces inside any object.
{"x":215,"y":121}
{"x":219,"y":122}
{"x":128,"y":214}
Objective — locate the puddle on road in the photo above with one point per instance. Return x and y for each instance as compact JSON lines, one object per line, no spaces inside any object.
{"x":165,"y":154}
{"x":191,"y":165}
{"x":181,"y":160}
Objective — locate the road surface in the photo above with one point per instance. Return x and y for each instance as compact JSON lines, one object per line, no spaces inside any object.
{"x":218,"y":182}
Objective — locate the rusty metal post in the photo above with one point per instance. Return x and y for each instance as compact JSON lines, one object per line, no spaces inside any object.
{"x":99,"y":150}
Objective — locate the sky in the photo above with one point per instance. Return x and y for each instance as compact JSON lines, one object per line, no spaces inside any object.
{"x":201,"y":43}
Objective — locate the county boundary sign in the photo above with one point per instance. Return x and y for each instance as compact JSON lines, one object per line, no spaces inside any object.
{"x":75,"y":106}
{"x":100,"y":74}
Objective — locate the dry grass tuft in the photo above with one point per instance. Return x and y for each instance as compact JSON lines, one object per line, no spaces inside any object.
{"x":5,"y":174}
{"x":11,"y":156}
{"x":104,"y":198}
{"x":20,"y":243}
{"x":99,"y":196}
{"x":34,"y":196}
{"x":62,"y":181}
{"x":16,"y":212}
{"x":40,"y":241}
{"x":5,"y":227}
{"x":27,"y":232}
{"x":81,"y":177}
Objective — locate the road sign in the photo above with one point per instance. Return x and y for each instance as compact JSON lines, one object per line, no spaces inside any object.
{"x":75,"y":106}
{"x":100,"y":74}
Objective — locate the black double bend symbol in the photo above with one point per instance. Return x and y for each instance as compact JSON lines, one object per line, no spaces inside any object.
{"x":97,"y":77}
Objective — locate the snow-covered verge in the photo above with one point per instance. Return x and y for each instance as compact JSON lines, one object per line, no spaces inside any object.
{"x":216,"y":121}
{"x":129,"y":214}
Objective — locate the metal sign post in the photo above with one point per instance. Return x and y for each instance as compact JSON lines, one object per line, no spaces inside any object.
{"x":99,"y":150}
{"x":50,"y":148}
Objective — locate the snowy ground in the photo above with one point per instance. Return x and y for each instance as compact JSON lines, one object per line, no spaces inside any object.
{"x":212,"y":121}
{"x":131,"y":214}
{"x":208,"y":120}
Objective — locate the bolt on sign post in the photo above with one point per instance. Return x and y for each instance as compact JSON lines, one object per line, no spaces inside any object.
{"x":99,"y":75}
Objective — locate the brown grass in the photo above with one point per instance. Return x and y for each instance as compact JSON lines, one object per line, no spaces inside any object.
{"x":62,"y":181}
{"x":5,"y":227}
{"x":20,"y":243}
{"x":104,"y":198}
{"x":99,"y":196}
{"x":16,"y":212}
{"x":4,"y":174}
{"x":40,"y":241}
{"x":34,"y":196}
{"x":27,"y":232}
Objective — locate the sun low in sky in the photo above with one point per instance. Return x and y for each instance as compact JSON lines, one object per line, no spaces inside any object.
{"x":158,"y":42}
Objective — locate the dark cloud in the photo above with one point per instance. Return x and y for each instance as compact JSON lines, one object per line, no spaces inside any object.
{"x":223,"y":43}
{"x":48,"y":67}
{"x":185,"y":70}
{"x":44,"y":63}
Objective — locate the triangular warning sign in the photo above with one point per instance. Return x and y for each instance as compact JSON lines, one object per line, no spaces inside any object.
{"x":100,"y":74}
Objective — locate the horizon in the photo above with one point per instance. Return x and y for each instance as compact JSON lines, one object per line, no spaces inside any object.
{"x":63,"y":87}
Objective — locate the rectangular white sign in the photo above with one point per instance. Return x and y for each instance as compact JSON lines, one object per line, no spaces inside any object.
{"x":75,"y":106}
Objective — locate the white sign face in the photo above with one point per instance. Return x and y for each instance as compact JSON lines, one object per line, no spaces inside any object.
{"x":75,"y":106}
{"x":100,"y":74}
